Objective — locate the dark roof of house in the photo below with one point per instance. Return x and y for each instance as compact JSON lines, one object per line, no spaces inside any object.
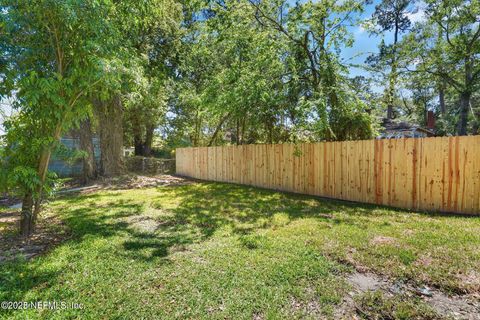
{"x":391,"y":125}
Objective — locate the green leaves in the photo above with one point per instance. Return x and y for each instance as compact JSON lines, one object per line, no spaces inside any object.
{"x":55,"y":51}
{"x":25,"y":176}
{"x":444,"y":48}
{"x":255,"y":70}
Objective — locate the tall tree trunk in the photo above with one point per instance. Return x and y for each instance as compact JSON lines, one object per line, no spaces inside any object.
{"x":393,"y":75}
{"x":442,"y":85}
{"x":441,"y":97}
{"x":28,"y":218}
{"x":242,"y":132}
{"x":237,"y":136}
{"x":30,"y":207}
{"x":86,"y":145}
{"x":465,"y":98}
{"x":391,"y":91}
{"x":138,"y":144}
{"x":147,"y":148}
{"x":110,"y":118}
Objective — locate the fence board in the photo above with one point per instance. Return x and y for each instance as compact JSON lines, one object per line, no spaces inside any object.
{"x":435,"y":174}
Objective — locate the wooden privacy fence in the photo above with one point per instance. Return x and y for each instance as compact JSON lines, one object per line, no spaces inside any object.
{"x":434,"y":174}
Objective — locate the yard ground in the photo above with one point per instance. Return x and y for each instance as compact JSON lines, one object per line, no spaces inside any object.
{"x":203,"y":250}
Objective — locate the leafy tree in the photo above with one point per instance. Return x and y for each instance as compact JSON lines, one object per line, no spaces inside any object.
{"x":151,"y":34}
{"x":389,"y":16}
{"x":267,"y":72}
{"x":230,"y":77}
{"x":452,"y":54}
{"x":55,"y":52}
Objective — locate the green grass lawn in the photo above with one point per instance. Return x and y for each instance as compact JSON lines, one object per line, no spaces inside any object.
{"x":212,"y":250}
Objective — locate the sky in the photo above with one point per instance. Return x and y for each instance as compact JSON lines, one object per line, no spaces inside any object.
{"x":364,"y":45}
{"x":5,"y":111}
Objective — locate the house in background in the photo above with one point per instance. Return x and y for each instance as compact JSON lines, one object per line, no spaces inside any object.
{"x":70,"y":168}
{"x":403,"y":129}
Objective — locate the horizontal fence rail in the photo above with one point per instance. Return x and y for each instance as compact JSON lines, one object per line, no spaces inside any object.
{"x":434,"y":174}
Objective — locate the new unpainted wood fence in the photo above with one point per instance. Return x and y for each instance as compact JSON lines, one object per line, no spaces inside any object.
{"x":434,"y":174}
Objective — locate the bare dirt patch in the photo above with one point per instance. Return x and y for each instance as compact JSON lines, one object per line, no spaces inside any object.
{"x":381,"y":240}
{"x":465,"y":307}
{"x":49,"y":232}
{"x":470,"y":280}
{"x":9,"y":218}
{"x":360,"y":282}
{"x":128,"y":181}
{"x":144,"y":223}
{"x":131,"y":181}
{"x":365,"y":281}
{"x":312,"y":307}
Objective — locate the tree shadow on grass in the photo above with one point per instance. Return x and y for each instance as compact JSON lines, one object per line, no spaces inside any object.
{"x":210,"y":206}
{"x":18,"y":277}
{"x":200,"y":211}
{"x":205,"y":208}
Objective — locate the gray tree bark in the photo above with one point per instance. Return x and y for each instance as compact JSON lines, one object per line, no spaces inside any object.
{"x":110,"y":120}
{"x":465,"y":98}
{"x":86,"y":144}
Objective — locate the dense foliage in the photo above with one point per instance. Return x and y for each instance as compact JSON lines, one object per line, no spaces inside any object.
{"x":165,"y":73}
{"x":256,"y":72}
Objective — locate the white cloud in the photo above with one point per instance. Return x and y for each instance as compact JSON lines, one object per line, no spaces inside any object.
{"x":418,"y":13}
{"x":365,"y":26}
{"x":360,"y":29}
{"x":418,"y":16}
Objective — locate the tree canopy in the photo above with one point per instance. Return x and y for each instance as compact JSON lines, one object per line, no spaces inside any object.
{"x":159,"y":74}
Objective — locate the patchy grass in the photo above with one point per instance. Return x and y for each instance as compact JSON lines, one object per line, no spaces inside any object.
{"x":211,"y":250}
{"x":375,"y":305}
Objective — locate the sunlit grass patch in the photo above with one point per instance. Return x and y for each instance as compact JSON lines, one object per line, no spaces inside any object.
{"x":212,"y":250}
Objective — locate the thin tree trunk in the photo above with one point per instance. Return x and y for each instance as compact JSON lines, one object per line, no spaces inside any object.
{"x":441,"y":82}
{"x":391,"y":92}
{"x":441,"y":97}
{"x":28,"y":218}
{"x":393,"y":76}
{"x":465,"y":97}
{"x":217,"y":129}
{"x":270,"y":133}
{"x":110,"y":117}
{"x":36,"y":205}
{"x":237,"y":137}
{"x":242,"y":132}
